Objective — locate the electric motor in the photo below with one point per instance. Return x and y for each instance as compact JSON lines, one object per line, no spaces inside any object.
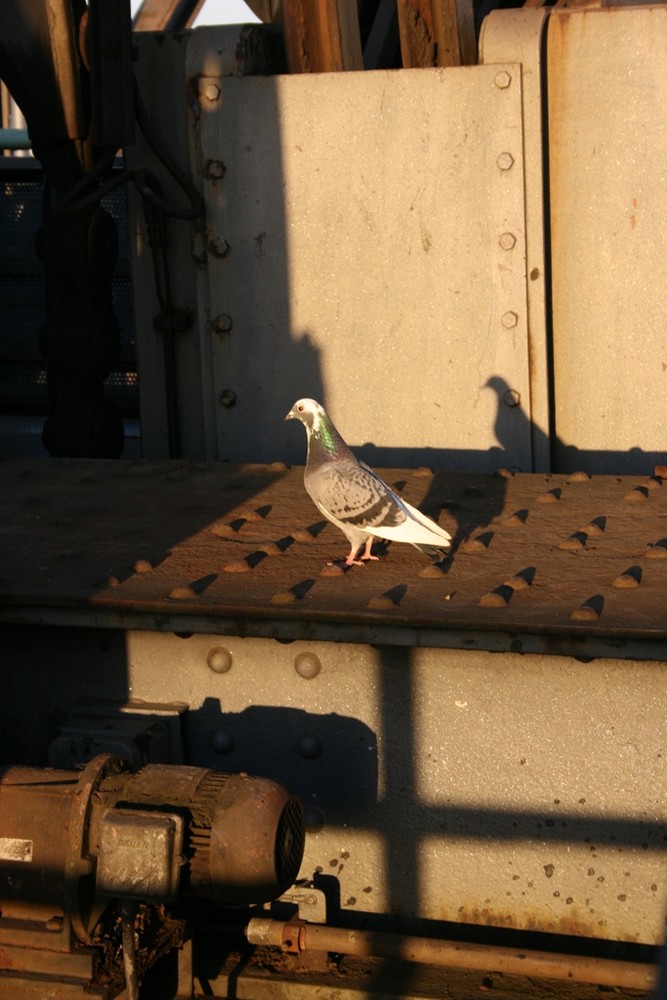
{"x":79,"y":839}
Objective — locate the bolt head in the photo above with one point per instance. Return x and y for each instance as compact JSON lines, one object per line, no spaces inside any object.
{"x":228,"y":397}
{"x":214,"y":170}
{"x":505,"y":161}
{"x":211,"y":91}
{"x":222,"y":324}
{"x":509,"y":320}
{"x":507,"y":241}
{"x":218,"y":245}
{"x":503,"y":79}
{"x":512,"y":398}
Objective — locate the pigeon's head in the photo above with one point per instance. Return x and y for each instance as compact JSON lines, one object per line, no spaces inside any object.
{"x":309,"y":412}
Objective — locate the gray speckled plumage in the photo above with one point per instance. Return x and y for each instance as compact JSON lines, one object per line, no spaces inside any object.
{"x":353,"y":497}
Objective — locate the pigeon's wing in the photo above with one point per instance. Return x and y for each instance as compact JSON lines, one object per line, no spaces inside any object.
{"x":416,"y":528}
{"x":352,"y":496}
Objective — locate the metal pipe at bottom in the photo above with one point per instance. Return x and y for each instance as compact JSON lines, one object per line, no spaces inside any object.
{"x":296,"y":936}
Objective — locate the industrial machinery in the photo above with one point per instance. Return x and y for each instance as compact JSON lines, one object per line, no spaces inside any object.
{"x":231,"y":766}
{"x":73,"y":841}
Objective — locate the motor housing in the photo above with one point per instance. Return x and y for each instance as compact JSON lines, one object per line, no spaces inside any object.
{"x":71,"y":841}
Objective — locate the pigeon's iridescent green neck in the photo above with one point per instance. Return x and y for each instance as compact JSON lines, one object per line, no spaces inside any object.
{"x":327,"y":439}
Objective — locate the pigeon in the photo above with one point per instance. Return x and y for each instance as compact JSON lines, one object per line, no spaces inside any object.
{"x":353,"y":497}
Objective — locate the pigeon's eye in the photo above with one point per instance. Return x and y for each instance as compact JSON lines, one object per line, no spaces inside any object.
{"x":300,"y":408}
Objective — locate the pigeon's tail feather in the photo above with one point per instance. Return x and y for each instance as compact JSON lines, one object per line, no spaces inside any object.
{"x":417,"y":529}
{"x":428,"y":522}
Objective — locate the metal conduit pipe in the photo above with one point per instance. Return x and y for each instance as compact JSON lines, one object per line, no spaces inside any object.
{"x":296,"y":936}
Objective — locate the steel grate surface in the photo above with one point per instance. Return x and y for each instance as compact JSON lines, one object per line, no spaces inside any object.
{"x":242,"y":550}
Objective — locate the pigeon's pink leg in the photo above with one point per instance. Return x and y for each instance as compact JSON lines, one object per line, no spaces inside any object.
{"x":366,"y":555}
{"x":367,"y":551}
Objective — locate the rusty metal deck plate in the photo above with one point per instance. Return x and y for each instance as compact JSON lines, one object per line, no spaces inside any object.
{"x":537,"y":562}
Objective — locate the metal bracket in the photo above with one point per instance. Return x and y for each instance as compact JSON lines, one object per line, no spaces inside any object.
{"x":311,"y":903}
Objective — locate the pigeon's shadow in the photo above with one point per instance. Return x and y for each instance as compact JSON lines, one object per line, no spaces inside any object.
{"x":550,"y":453}
{"x":465,"y":506}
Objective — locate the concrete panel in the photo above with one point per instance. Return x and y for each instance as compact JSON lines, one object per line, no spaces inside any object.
{"x":607,"y":85}
{"x":354,"y":244}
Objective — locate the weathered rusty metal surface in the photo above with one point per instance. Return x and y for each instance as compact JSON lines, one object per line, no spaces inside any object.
{"x":241,"y":549}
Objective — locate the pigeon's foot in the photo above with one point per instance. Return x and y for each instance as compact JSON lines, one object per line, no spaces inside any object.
{"x":367,"y":557}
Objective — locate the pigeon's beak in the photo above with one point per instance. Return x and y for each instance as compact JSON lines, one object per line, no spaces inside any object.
{"x":290,"y":415}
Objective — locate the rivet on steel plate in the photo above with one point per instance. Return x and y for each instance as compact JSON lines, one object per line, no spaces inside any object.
{"x":505,"y":161}
{"x":503,"y":79}
{"x":222,"y":740}
{"x":551,"y":496}
{"x":219,"y":659}
{"x":228,"y":397}
{"x":307,"y":665}
{"x":575,"y":542}
{"x":309,"y":745}
{"x":632,"y":577}
{"x":637,"y":495}
{"x":498,"y":598}
{"x":507,"y":241}
{"x":222,"y":324}
{"x":590,"y":610}
{"x":512,"y":398}
{"x":657,"y":550}
{"x":509,"y":320}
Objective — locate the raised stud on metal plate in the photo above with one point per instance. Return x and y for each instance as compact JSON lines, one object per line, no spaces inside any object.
{"x":509,"y":320}
{"x":309,"y":745}
{"x":307,"y":665}
{"x":219,"y":659}
{"x":222,"y":740}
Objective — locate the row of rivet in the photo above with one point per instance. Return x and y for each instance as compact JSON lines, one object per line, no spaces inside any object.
{"x":579,"y":539}
{"x":308,"y":745}
{"x":220,"y":659}
{"x":217,"y":245}
{"x":507,"y":240}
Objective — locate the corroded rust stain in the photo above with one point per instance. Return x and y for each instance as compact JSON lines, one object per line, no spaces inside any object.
{"x":574,"y":923}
